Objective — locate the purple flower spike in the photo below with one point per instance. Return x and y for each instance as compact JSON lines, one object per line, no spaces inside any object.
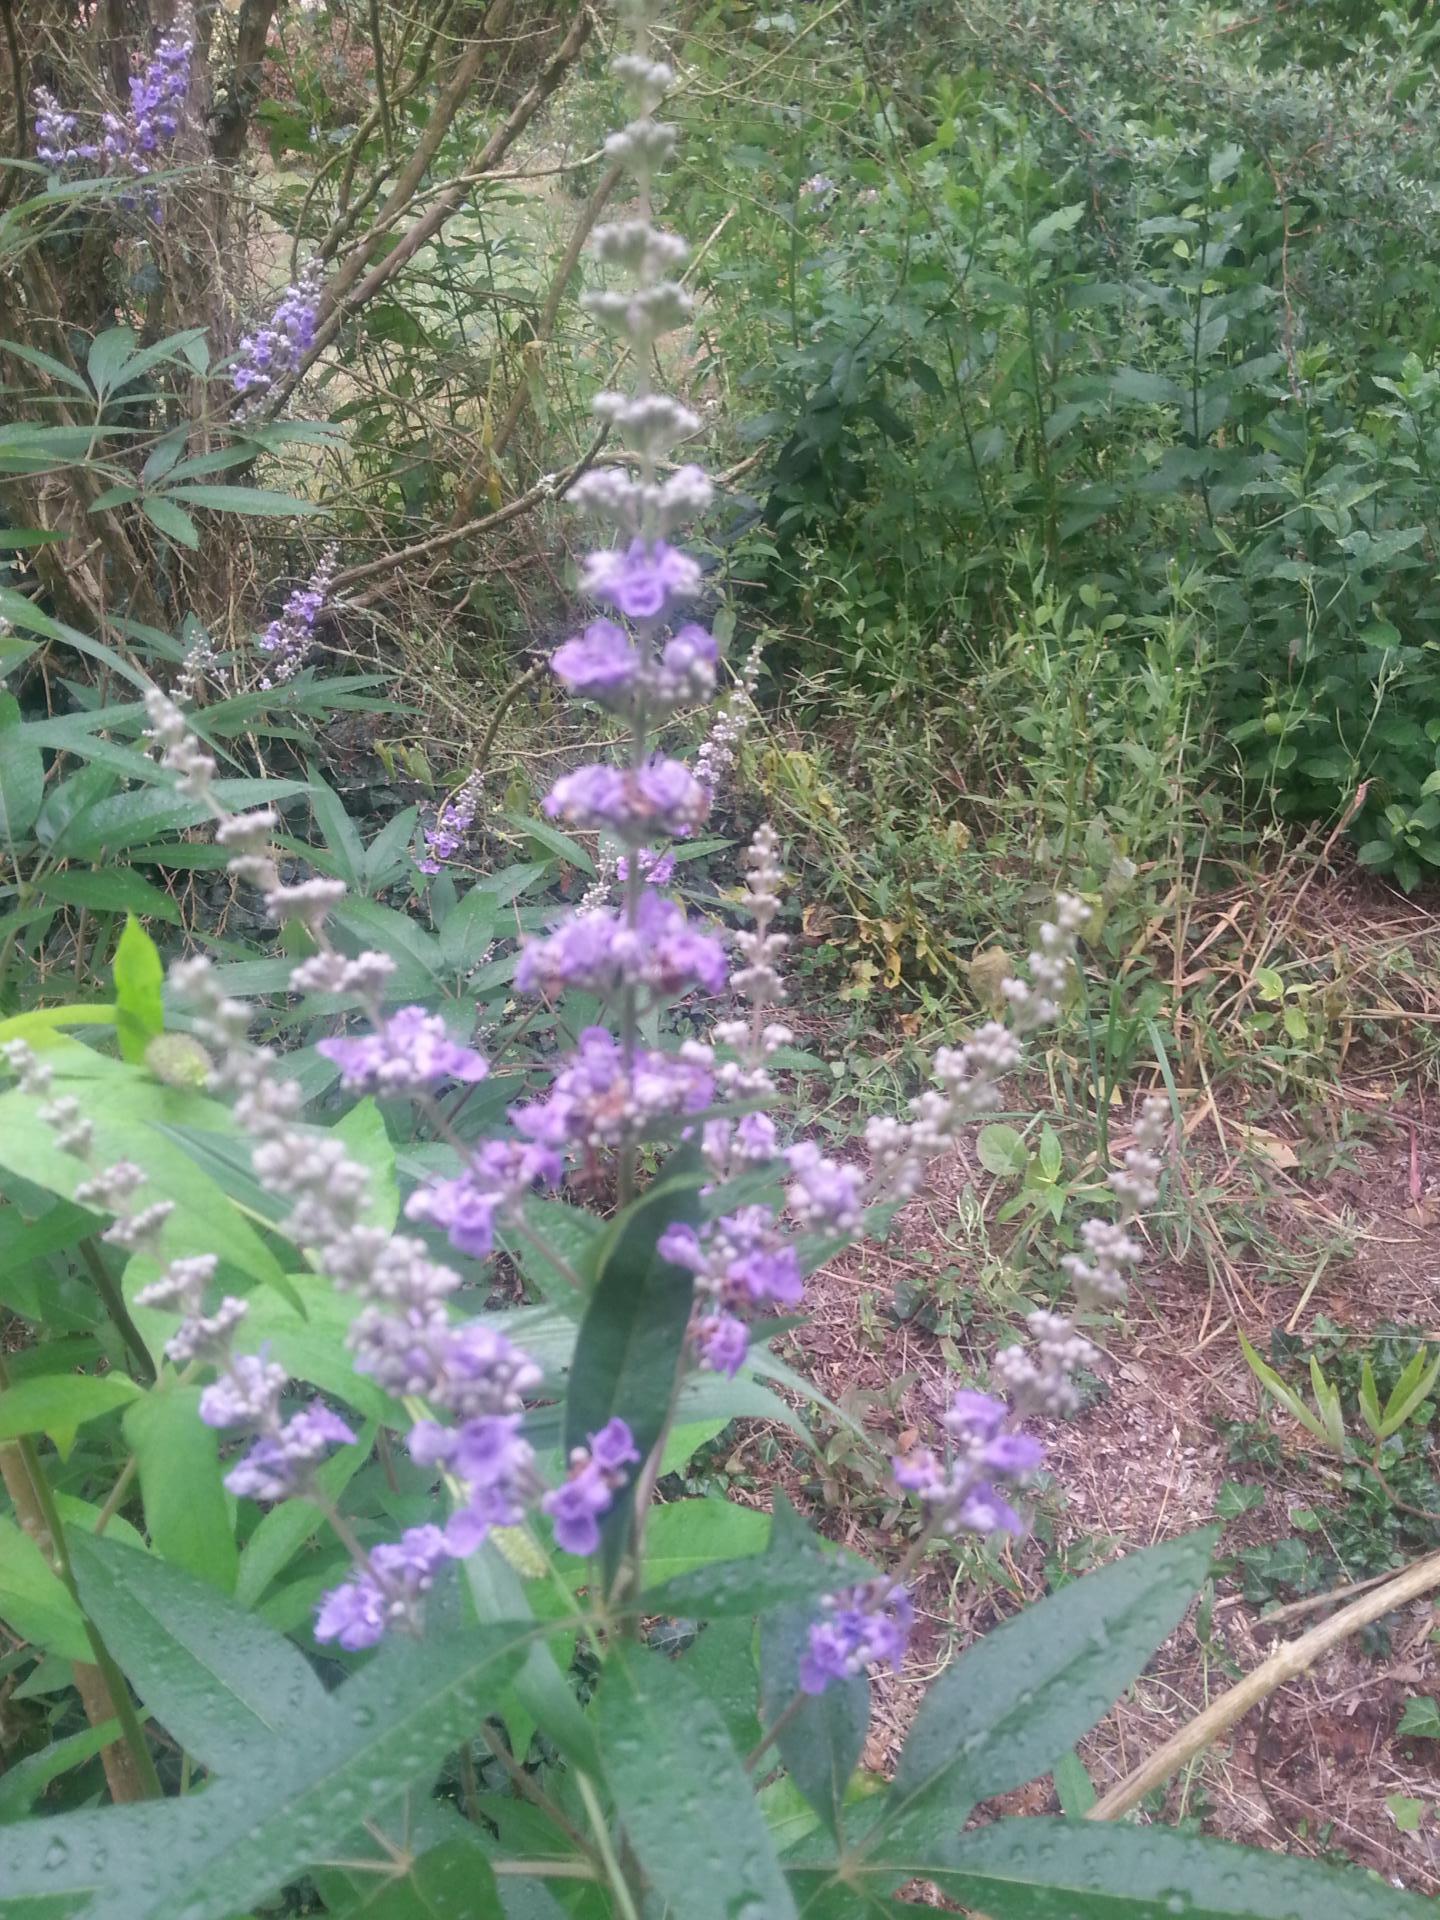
{"x":277,"y":349}
{"x":277,"y":1465}
{"x":600,"y":664}
{"x":641,"y":580}
{"x":661,"y":798}
{"x":870,"y":1626}
{"x":411,"y":1053}
{"x":577,"y":1506}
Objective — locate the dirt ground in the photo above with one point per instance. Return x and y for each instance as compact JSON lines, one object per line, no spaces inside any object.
{"x":1310,"y":1772}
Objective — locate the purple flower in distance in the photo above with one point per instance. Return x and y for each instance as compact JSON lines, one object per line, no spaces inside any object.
{"x":642,"y":579}
{"x":157,"y":104}
{"x":289,"y":638}
{"x":277,"y":348}
{"x":55,"y":141}
{"x":411,"y":1053}
{"x":869,"y":1626}
{"x":278,"y":1464}
{"x":454,"y":820}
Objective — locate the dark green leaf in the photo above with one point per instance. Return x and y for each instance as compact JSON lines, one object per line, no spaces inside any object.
{"x":172,"y":521}
{"x":683,"y":1798}
{"x":215,"y":1855}
{"x":229,"y":1689}
{"x":109,"y":890}
{"x":821,"y":1736}
{"x":1011,"y":1705}
{"x":632,"y":1335}
{"x":1048,"y":1869}
{"x":251,"y":500}
{"x":22,"y":775}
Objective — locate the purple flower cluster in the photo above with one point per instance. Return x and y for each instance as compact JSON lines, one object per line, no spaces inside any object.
{"x":410,"y":1053}
{"x":604,"y":664}
{"x":277,"y":1465}
{"x":598,"y":1099}
{"x":639,"y":804}
{"x":743,"y":1264}
{"x":961,"y":1495}
{"x":386,"y":1592}
{"x":868,"y":1626}
{"x":577,"y":1506}
{"x":495,"y":1466}
{"x":276,"y":349}
{"x":599,"y":952}
{"x":824,"y":1194}
{"x":498,"y":1176}
{"x":55,"y":130}
{"x":289,"y":638}
{"x":157,"y":103}
{"x":644,"y":580}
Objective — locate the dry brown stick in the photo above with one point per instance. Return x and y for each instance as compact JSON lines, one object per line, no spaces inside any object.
{"x":347,"y":292}
{"x":1287,"y":1662}
{"x":551,"y":487}
{"x":121,"y":1775}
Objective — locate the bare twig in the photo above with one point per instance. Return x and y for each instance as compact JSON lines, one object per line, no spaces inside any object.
{"x":1285,"y":1663}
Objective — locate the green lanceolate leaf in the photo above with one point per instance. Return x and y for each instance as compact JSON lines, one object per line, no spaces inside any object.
{"x":224,"y":1685}
{"x":684,"y":1800}
{"x":627,"y":1353}
{"x":1083,"y":1870}
{"x":821,"y":1736}
{"x":218,"y":1854}
{"x":187,"y":1512}
{"x":22,"y":775}
{"x":139,"y":991}
{"x":58,"y":1404}
{"x":34,"y":1602}
{"x":110,"y":890}
{"x":1010,"y":1706}
{"x":24,"y":1781}
{"x":794,"y":1566}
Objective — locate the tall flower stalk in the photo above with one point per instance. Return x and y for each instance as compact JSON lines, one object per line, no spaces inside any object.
{"x":468,"y":1390}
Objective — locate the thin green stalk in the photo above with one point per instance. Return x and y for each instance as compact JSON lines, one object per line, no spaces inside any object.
{"x":115,"y":1306}
{"x":599,"y":1827}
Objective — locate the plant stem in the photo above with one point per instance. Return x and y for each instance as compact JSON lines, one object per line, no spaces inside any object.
{"x":102,"y":1686}
{"x":614,"y":1873}
{"x":115,"y":1306}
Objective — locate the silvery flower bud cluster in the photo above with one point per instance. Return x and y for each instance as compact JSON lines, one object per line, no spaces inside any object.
{"x":180,"y":752}
{"x":720,"y":747}
{"x":1137,"y":1185}
{"x":1037,"y":1002}
{"x":1041,"y":1379}
{"x":631,"y":503}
